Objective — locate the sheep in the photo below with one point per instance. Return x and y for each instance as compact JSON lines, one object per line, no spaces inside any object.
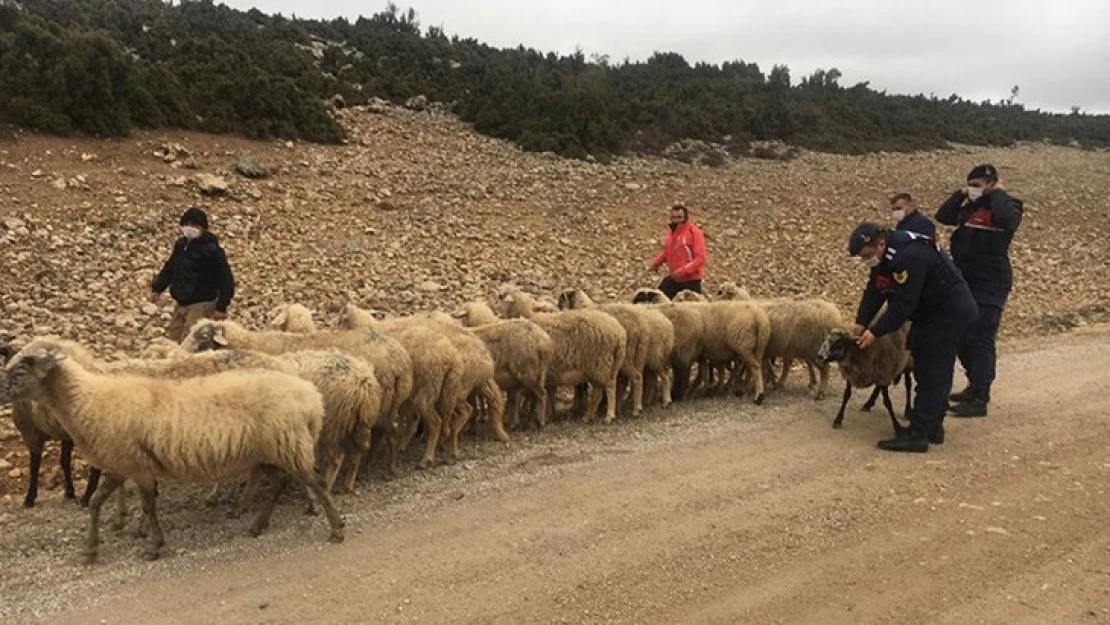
{"x":522,"y":354}
{"x":688,"y":327}
{"x":736,"y":330}
{"x":292,"y":318}
{"x":37,"y":425}
{"x":879,"y":365}
{"x":798,"y":327}
{"x":686,"y":295}
{"x":195,"y":430}
{"x":589,"y":347}
{"x":651,"y":338}
{"x":392,"y":364}
{"x":477,"y":368}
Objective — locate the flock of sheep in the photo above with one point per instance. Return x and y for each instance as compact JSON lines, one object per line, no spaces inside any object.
{"x":294,"y":401}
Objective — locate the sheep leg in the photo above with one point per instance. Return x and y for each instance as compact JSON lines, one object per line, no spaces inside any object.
{"x":812,"y":374}
{"x":787,"y":363}
{"x":278,"y":481}
{"x":611,"y":394}
{"x":90,"y":487}
{"x":362,"y":442}
{"x":756,"y":369}
{"x":681,"y":382}
{"x":870,"y":403}
{"x":213,"y":496}
{"x":335,"y":457}
{"x":121,"y":512}
{"x":434,"y":425}
{"x":315,"y":486}
{"x":33,"y":476}
{"x":155,"y":541}
{"x":637,"y":380}
{"x":67,"y":468}
{"x":823,"y":386}
{"x":495,"y":404}
{"x":457,"y":422}
{"x":839,"y":420}
{"x":890,"y":409}
{"x":92,"y":540}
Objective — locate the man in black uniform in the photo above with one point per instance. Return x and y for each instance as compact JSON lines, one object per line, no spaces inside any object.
{"x":907,"y":217}
{"x":197,"y":274}
{"x":919,"y":283}
{"x":986,"y":218}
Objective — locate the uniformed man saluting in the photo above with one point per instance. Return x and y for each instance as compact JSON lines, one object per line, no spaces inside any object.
{"x":919,"y":283}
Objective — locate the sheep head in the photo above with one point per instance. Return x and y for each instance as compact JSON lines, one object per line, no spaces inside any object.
{"x":574,"y":299}
{"x":731,"y":291}
{"x":29,"y":367}
{"x":206,"y":335}
{"x":686,"y":295}
{"x":649,"y":296}
{"x":835,"y":346}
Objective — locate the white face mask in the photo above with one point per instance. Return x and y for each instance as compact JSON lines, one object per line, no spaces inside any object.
{"x":974,"y":193}
{"x":190,"y":232}
{"x":898,"y":215}
{"x":872,"y":262}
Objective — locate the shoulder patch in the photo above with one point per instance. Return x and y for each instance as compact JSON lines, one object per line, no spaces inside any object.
{"x":901,"y":276}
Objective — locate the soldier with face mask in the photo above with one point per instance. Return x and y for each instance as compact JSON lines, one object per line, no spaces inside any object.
{"x":197,"y":275}
{"x":986,"y":218}
{"x":919,"y":283}
{"x":906,"y":217}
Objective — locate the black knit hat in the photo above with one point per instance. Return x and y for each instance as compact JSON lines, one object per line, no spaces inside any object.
{"x":195,"y":216}
{"x":986,"y":170}
{"x":864,"y":233}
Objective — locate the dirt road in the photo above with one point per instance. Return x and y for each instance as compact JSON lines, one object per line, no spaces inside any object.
{"x":715,"y":512}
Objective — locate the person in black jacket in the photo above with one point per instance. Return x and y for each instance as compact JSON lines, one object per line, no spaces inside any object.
{"x":986,"y":218}
{"x":197,"y":275}
{"x":907,"y":217}
{"x":919,"y":283}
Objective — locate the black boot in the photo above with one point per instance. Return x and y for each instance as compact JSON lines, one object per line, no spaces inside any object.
{"x":936,"y":435}
{"x":973,"y":407}
{"x":909,"y":439}
{"x":962,"y":396}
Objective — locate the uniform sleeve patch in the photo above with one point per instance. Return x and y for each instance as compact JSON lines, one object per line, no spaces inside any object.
{"x":901,"y":276}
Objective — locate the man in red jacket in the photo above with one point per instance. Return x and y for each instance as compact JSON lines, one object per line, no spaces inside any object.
{"x":683,"y":253}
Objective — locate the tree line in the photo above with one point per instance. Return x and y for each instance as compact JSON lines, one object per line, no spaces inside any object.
{"x":104,"y":67}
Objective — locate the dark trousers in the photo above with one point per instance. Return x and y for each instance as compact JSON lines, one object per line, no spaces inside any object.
{"x":670,"y":288}
{"x":934,"y":347}
{"x":977,"y":350}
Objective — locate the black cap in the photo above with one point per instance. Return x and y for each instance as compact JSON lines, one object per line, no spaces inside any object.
{"x":195,"y":216}
{"x":986,"y":170}
{"x":864,"y":233}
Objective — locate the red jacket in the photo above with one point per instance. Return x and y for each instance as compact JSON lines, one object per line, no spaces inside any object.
{"x":684,"y":253}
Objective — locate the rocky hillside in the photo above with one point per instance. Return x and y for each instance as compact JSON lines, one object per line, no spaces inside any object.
{"x":416,"y":212}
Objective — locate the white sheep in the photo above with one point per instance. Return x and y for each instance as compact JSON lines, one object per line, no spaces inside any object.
{"x":589,"y":347}
{"x":651,"y":338}
{"x":195,"y":430}
{"x":689,"y":328}
{"x":735,"y":331}
{"x":522,"y":354}
{"x":392,"y":364}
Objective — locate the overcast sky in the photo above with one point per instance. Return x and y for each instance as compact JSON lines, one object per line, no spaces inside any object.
{"x":1057,"y":52}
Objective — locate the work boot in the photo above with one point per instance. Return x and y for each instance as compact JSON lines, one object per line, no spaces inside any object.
{"x":973,"y":407}
{"x":936,"y":435}
{"x":962,"y":396}
{"x":909,"y":439}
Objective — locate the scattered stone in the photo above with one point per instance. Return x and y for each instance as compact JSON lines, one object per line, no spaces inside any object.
{"x":248,"y":165}
{"x":211,"y":185}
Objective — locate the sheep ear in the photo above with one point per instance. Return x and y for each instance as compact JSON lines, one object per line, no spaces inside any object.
{"x":279,"y":320}
{"x":219,"y":339}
